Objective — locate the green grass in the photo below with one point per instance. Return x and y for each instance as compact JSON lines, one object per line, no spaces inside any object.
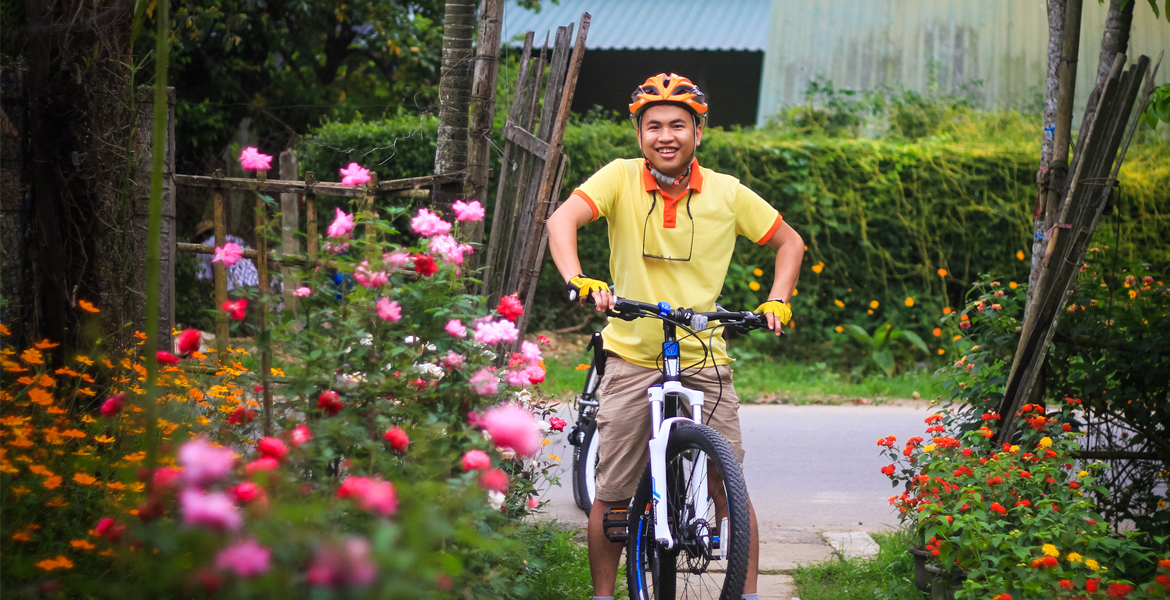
{"x":887,"y":576}
{"x":558,"y":565}
{"x":765,"y":380}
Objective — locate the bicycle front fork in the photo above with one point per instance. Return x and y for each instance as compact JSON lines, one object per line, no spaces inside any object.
{"x":660,"y":500}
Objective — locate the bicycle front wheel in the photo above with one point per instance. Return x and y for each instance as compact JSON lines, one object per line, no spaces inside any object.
{"x":585,"y":468}
{"x":709,"y":559}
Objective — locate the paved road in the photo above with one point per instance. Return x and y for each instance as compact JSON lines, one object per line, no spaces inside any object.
{"x":807,"y":467}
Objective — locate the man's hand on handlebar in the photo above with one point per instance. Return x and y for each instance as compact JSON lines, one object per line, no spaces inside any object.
{"x":777,"y":312}
{"x":585,"y":289}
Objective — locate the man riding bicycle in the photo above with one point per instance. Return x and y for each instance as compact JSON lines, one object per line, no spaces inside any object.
{"x":672,"y":232}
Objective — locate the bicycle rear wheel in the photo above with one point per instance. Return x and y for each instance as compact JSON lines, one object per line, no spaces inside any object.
{"x":697,"y":567}
{"x":585,"y":467}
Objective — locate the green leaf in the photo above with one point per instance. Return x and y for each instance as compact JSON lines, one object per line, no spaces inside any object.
{"x":1154,"y":7}
{"x":885,"y":359}
{"x":917,"y":341}
{"x":859,"y":334}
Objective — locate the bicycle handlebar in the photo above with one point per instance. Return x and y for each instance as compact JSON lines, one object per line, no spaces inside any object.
{"x":740,"y":321}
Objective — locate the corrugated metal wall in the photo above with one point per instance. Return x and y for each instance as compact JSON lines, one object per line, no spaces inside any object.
{"x":862,"y":44}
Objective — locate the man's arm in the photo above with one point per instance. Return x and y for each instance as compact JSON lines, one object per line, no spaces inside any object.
{"x":789,"y":249}
{"x":562,"y":244}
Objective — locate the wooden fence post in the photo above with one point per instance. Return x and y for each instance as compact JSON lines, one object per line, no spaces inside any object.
{"x":483,"y":106}
{"x":262,"y":271}
{"x":290,"y":220}
{"x":311,"y":215}
{"x":144,"y":149}
{"x":220,"y":271}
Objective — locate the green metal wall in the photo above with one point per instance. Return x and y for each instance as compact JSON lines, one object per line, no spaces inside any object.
{"x":862,"y":44}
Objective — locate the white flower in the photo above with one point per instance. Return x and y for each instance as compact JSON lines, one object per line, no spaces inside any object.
{"x":544,"y":426}
{"x":496,"y":499}
{"x":507,"y":453}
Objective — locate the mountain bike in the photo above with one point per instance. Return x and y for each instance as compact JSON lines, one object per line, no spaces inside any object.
{"x":583,"y":436}
{"x":687,"y":529}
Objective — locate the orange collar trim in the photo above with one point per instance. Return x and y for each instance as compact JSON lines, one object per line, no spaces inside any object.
{"x":695,"y":183}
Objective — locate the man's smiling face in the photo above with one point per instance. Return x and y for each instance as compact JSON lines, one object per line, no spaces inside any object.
{"x":668,"y":138}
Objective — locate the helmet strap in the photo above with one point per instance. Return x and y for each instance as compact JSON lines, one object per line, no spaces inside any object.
{"x":666,"y":179}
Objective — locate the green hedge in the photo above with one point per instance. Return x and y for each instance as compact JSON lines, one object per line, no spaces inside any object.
{"x":880,"y":217}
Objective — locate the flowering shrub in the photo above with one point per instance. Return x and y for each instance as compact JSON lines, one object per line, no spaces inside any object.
{"x":1015,"y":519}
{"x":361,"y":485}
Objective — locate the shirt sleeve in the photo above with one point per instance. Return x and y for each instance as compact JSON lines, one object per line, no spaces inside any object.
{"x":754,"y":217}
{"x":602,"y":190}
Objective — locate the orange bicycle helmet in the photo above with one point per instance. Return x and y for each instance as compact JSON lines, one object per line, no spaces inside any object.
{"x":669,"y":89}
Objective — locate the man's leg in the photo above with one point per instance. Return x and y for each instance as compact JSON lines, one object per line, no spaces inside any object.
{"x":715,"y":483}
{"x":603,"y":554}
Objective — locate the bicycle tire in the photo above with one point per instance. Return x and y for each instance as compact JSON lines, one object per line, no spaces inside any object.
{"x":585,"y":468}
{"x":656,"y":574}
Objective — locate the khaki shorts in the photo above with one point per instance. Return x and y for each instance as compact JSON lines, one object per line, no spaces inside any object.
{"x":623,"y":421}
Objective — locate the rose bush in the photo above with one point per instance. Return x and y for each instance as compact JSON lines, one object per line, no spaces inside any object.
{"x":351,"y":481}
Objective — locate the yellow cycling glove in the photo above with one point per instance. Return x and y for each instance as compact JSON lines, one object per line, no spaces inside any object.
{"x":778,"y":307}
{"x":581,"y":286}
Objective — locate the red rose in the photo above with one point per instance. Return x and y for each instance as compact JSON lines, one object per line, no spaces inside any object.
{"x":189,"y":341}
{"x":425,"y":265}
{"x":557,"y":424}
{"x":329,"y":402}
{"x":510,"y":308}
{"x":242,"y":416}
{"x":113,"y":405}
{"x":494,"y":479}
{"x":397,"y":439}
{"x":235,"y":310}
{"x":166,"y":358}
{"x":272,"y":447}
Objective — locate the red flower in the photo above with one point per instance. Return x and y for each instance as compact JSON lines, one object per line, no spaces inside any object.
{"x":425,"y":265}
{"x":1092,"y":584}
{"x":494,"y":479}
{"x":113,"y":405}
{"x":1118,"y":590}
{"x":235,"y":310}
{"x":166,"y":358}
{"x":329,"y":402}
{"x":110,"y":529}
{"x":1025,"y":474}
{"x":889,"y":470}
{"x":189,"y":341}
{"x":1050,"y":561}
{"x":272,"y":447}
{"x":264,"y":463}
{"x":1024,"y":503}
{"x":1066,"y":584}
{"x":510,"y":307}
{"x":246,"y":492}
{"x":966,"y":452}
{"x":1066,"y":427}
{"x":397,"y":439}
{"x":242,"y":416}
{"x":557,"y":424}
{"x":543,"y":339}
{"x":300,"y":435}
{"x":997,"y":507}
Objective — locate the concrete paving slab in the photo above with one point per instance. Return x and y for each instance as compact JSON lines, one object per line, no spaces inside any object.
{"x":784,"y":548}
{"x":851,"y":544}
{"x":776,"y":587}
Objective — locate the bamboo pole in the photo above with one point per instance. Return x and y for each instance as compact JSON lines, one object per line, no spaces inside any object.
{"x":221,"y":319}
{"x":262,"y":271}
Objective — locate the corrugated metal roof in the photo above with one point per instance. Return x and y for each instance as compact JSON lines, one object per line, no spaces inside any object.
{"x":651,"y":24}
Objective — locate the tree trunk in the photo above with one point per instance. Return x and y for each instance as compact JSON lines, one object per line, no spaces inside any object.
{"x":454,"y":100}
{"x":1114,"y":41}
{"x":483,"y":104}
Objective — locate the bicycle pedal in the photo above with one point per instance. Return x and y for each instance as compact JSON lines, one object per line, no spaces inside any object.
{"x":620,"y":525}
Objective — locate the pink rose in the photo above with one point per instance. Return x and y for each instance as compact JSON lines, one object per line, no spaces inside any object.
{"x":533,"y":502}
{"x":476,"y":459}
{"x":342,"y":566}
{"x":354,"y":175}
{"x":517,"y":378}
{"x":455,"y":328}
{"x":204,"y":464}
{"x":427,"y":223}
{"x":165,"y":479}
{"x":302,"y":291}
{"x":370,"y":278}
{"x":453,"y":360}
{"x":492,"y":333}
{"x":247,"y":559}
{"x":557,"y":424}
{"x":252,"y":160}
{"x":228,"y":254}
{"x":371,"y":494}
{"x":247,"y":492}
{"x":301,"y":434}
{"x":272,"y":447}
{"x":472,"y":211}
{"x":494,"y":479}
{"x":110,"y":529}
{"x":213,"y":511}
{"x":397,"y":260}
{"x":264,"y":463}
{"x":389,"y":310}
{"x":166,"y":358}
{"x":485,"y":383}
{"x":512,"y":427}
{"x":534,"y":373}
{"x":342,"y":224}
{"x":113,"y":405}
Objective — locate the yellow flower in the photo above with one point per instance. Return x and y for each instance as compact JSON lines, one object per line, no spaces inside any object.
{"x":1020,"y":254}
{"x":817,"y":268}
{"x":1132,"y":294}
{"x":928,"y":448}
{"x":104,"y":439}
{"x":941,"y":351}
{"x":554,"y":457}
{"x":839,"y":329}
{"x":1074,"y":557}
{"x":83,"y":360}
{"x":1013,"y":285}
{"x":546,"y":442}
{"x":1092,"y":564}
{"x":755,"y":286}
{"x":203,"y":420}
{"x":909,"y":301}
{"x":839,"y":303}
{"x":277,"y":372}
{"x":1045,"y":442}
{"x":1050,"y":550}
{"x":1014,"y":449}
{"x":874,"y":304}
{"x":956,"y":338}
{"x":757,"y":272}
{"x":1083,"y":474}
{"x":795,"y":291}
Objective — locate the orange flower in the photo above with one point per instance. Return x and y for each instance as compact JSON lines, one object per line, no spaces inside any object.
{"x":25,"y":380}
{"x":45,"y":344}
{"x":4,"y":330}
{"x":84,"y":479}
{"x":61,"y":562}
{"x":53,"y":410}
{"x":21,"y":442}
{"x":1019,"y":254}
{"x":12,"y":367}
{"x":839,"y":329}
{"x":937,"y":332}
{"x":39,"y":396}
{"x":22,"y":536}
{"x":81,"y":545}
{"x":47,"y":381}
{"x":87,"y":307}
{"x":104,"y":439}
{"x":909,"y":301}
{"x":40,"y":470}
{"x":947,"y":310}
{"x":52,"y":482}
{"x":817,"y":268}
{"x":136,"y":457}
{"x":942,"y":272}
{"x":84,"y":360}
{"x":57,"y":502}
{"x":116,"y":485}
{"x":582,"y":367}
{"x":32,"y":356}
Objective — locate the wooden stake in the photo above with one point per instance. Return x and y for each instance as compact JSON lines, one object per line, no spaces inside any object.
{"x":221,"y":318}
{"x":262,"y":270}
{"x":311,"y":214}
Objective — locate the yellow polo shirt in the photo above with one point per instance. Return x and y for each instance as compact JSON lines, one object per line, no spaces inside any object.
{"x":672,"y":249}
